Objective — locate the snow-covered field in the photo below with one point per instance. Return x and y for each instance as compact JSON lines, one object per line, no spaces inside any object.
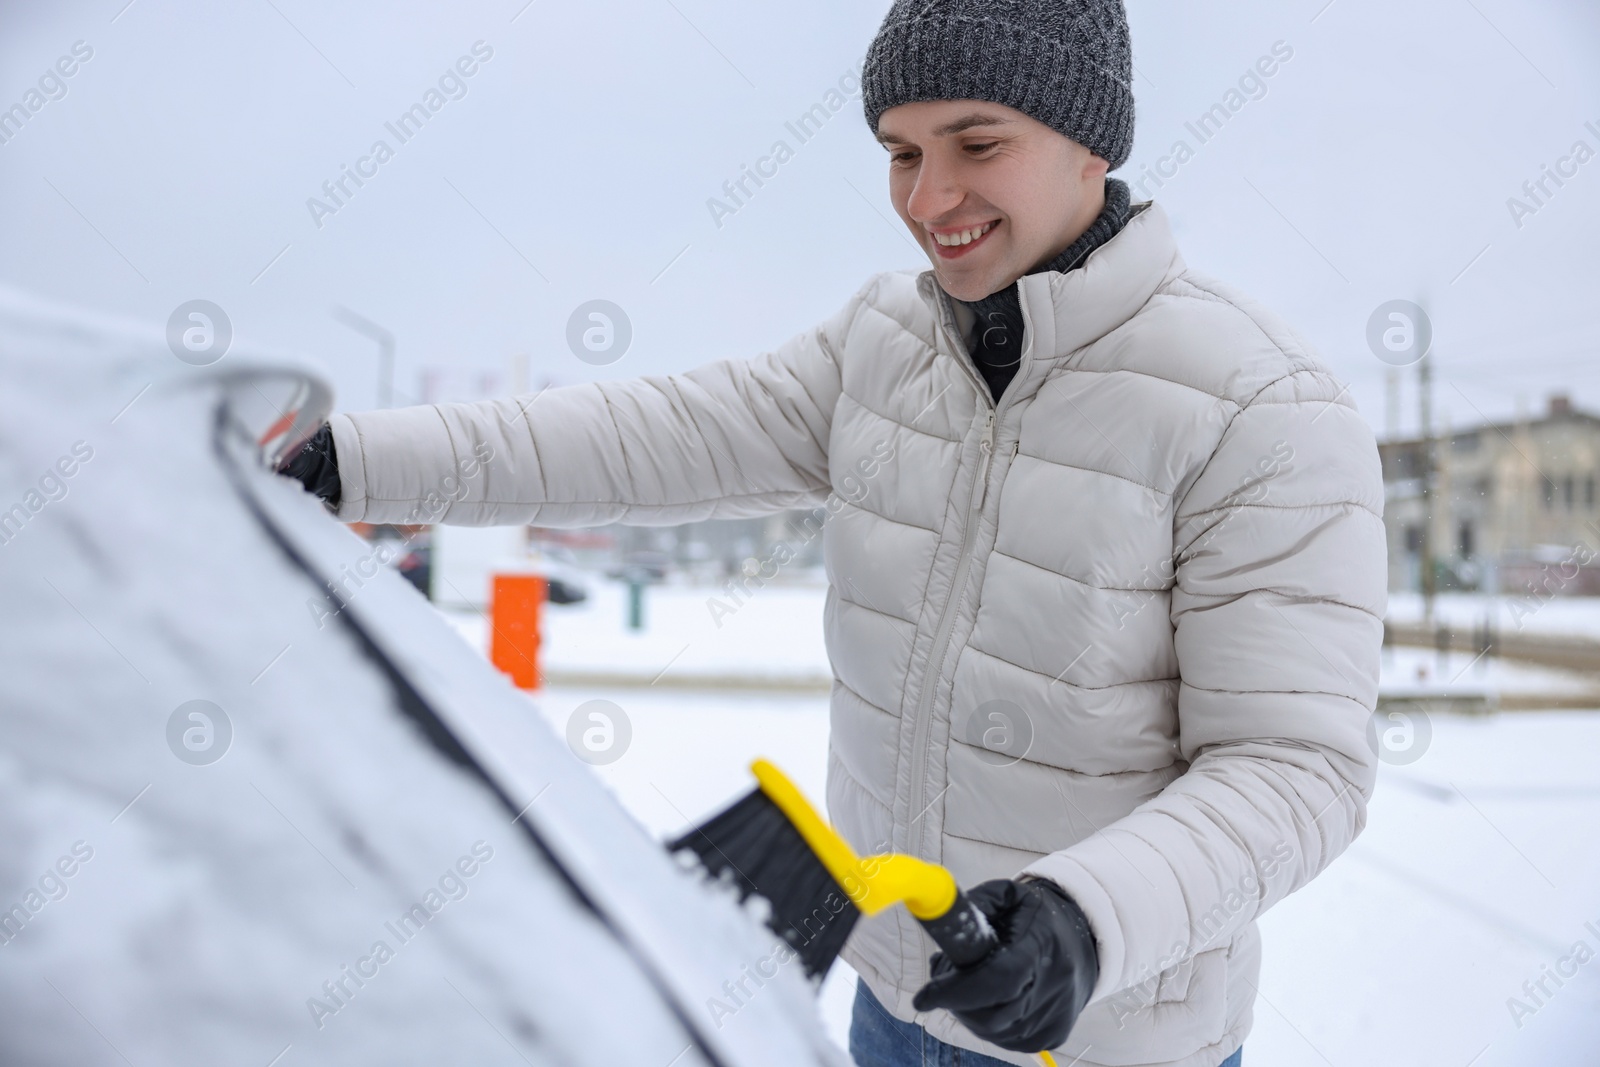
{"x":1574,"y":616}
{"x":701,"y":635}
{"x":1477,"y":872}
{"x":1422,"y":671}
{"x":691,"y":633}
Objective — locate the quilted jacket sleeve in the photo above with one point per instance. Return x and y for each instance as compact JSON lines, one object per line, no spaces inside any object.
{"x":1277,"y":606}
{"x":730,"y":439}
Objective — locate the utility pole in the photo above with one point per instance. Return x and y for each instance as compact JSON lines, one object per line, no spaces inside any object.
{"x":1391,"y":407}
{"x":1425,"y":405}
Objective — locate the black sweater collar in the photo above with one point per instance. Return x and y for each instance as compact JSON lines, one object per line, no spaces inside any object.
{"x":996,"y":342}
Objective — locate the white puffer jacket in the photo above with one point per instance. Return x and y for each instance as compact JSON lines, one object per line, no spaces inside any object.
{"x":1120,"y":630}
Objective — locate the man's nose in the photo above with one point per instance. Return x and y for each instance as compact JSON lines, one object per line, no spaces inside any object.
{"x":937,"y":191}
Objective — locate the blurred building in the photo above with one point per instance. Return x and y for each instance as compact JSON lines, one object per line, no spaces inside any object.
{"x":1514,"y":503}
{"x":711,"y":551}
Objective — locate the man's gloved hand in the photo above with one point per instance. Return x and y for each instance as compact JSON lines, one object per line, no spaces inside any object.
{"x":316,"y":466}
{"x":1030,"y":990}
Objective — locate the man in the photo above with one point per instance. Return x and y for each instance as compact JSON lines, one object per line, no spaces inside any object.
{"x":1104,"y":621}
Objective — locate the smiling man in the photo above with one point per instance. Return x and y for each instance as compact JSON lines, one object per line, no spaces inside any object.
{"x":1105,"y":622}
{"x":951,"y":163}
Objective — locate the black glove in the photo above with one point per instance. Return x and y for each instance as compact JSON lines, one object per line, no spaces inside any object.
{"x":1026,"y":995}
{"x":316,"y":466}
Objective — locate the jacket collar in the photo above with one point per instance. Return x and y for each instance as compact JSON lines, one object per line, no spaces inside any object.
{"x":1085,"y":304}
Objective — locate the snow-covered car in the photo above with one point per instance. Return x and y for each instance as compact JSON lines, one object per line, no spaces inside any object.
{"x":259,"y":806}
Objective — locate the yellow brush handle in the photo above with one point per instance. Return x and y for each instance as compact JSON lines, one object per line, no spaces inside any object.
{"x":877,"y":882}
{"x":927,"y":890}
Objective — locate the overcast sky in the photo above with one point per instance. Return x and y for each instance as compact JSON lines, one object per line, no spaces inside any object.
{"x":577,"y":160}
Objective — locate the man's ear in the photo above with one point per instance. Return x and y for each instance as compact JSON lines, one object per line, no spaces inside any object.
{"x":1095,"y":168}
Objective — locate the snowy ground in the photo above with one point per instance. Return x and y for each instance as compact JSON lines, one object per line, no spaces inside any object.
{"x":700,"y":635}
{"x":1422,"y":671}
{"x":1575,"y":616}
{"x":1478,"y":869}
{"x":691,"y":633}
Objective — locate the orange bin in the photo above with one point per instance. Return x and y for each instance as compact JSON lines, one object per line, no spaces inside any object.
{"x":514,"y":626}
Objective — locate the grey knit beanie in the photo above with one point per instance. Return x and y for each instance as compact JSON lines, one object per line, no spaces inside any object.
{"x":1066,"y":63}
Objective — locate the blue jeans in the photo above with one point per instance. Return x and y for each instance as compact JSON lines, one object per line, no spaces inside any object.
{"x":878,"y":1039}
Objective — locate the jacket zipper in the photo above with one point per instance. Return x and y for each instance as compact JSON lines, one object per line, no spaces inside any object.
{"x":930,"y":681}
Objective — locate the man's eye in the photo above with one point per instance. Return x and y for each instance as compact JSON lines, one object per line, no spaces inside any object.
{"x":901,"y":157}
{"x":979,"y":148}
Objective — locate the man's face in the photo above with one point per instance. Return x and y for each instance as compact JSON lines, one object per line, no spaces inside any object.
{"x":960,"y":165}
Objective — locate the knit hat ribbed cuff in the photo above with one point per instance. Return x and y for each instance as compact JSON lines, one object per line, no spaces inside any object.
{"x":940,"y":55}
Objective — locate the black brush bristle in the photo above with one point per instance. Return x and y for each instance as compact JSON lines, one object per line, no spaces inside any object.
{"x":756,"y":846}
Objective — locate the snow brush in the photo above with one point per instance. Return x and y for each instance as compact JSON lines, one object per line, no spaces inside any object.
{"x":774,"y":845}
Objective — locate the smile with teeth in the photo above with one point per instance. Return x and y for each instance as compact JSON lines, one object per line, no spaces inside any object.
{"x":965,"y":237}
